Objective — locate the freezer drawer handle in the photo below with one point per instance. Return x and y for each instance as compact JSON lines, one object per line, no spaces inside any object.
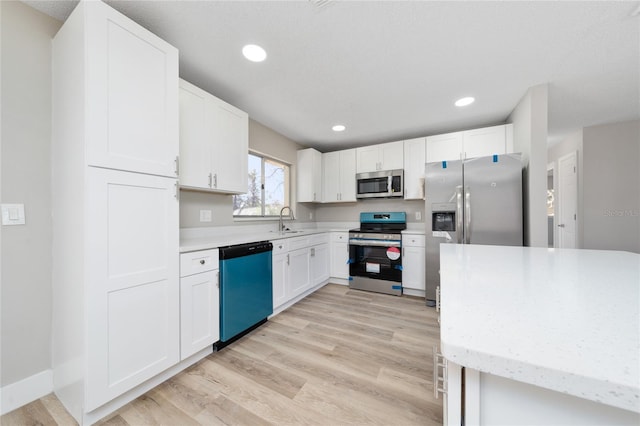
{"x":439,"y":382}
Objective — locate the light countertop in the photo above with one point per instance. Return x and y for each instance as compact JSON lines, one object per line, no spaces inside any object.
{"x":566,"y":320}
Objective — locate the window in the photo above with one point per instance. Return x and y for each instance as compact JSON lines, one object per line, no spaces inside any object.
{"x":268,"y":189}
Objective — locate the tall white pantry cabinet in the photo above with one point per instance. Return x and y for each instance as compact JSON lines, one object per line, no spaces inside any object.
{"x":115,"y":208}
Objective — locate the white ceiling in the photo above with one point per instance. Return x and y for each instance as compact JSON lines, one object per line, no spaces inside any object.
{"x":392,"y":70}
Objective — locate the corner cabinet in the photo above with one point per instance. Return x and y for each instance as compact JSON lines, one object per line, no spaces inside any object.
{"x":214,"y":138}
{"x":470,"y":143}
{"x":386,"y":156}
{"x":115,"y":322}
{"x":339,"y":176}
{"x":309,"y":176}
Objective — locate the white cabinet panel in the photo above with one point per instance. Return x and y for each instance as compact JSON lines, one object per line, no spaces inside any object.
{"x":339,"y":176}
{"x":299,"y":271}
{"x":280,"y":266}
{"x":133,"y":314}
{"x":414,"y":166}
{"x":485,"y":141}
{"x":309,"y":175}
{"x":413,"y":262}
{"x":319,"y":263}
{"x":386,"y":156}
{"x":132,"y":95}
{"x":213,"y":142}
{"x":339,"y":267}
{"x":199,"y":312}
{"x":447,"y":147}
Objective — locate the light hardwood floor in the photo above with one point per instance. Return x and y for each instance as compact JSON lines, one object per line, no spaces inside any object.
{"x":338,"y":357}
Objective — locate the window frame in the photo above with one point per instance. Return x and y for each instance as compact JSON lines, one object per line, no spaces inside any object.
{"x":287,"y":188}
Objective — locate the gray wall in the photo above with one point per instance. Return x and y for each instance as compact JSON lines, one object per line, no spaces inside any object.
{"x":350,"y":212}
{"x":611,"y":186}
{"x":529,"y":120}
{"x":26,"y":171}
{"x":264,"y":141}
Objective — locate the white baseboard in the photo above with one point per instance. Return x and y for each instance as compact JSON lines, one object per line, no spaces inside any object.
{"x":25,"y":391}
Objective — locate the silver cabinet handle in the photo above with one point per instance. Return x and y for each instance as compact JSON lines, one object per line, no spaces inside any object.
{"x":438,"y":299}
{"x":439,"y":382}
{"x":177,"y":195}
{"x":287,"y":258}
{"x":313,"y":251}
{"x":215,"y":180}
{"x":561,"y":225}
{"x":177,"y":165}
{"x":210,"y":180}
{"x":217,"y":279}
{"x":202,"y":261}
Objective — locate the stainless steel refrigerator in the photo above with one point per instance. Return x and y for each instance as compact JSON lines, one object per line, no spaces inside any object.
{"x":475,"y":201}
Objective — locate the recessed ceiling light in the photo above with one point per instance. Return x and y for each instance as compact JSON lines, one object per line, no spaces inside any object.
{"x":465,"y":101}
{"x":338,"y":128}
{"x":254,"y":53}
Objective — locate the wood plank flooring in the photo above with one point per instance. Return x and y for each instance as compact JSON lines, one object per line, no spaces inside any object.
{"x":338,"y":357}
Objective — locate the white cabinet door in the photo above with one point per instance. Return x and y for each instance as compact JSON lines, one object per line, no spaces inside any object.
{"x":199,"y":312}
{"x":414,"y":166}
{"x":213,"y":142}
{"x":195,"y":137}
{"x":331,"y":177}
{"x":386,"y":156}
{"x":339,"y":255}
{"x":309,"y":171}
{"x":447,"y":147}
{"x":231,"y":147}
{"x":319,"y":263}
{"x":348,"y":175}
{"x":299,"y":271}
{"x":132,"y":238}
{"x":392,"y":155}
{"x":339,"y":176}
{"x":280,"y":264}
{"x":413,"y":262}
{"x":485,"y":141}
{"x":132,"y":95}
{"x":367,"y":159}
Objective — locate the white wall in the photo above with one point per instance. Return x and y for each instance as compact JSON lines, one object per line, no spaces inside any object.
{"x":611,"y":187}
{"x":26,"y":147}
{"x":262,"y":140}
{"x":529,"y":120}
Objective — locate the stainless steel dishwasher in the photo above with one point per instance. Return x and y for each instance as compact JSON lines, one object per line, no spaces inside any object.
{"x":246,"y":292}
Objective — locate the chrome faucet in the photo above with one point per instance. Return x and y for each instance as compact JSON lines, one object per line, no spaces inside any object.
{"x":281,"y":223}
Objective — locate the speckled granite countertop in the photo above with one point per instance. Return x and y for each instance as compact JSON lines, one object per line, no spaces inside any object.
{"x":566,"y":320}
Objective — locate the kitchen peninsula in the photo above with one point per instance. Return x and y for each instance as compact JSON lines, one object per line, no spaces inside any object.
{"x":545,"y":336}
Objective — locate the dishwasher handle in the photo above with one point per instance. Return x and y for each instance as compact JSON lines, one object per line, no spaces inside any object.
{"x":242,"y":250}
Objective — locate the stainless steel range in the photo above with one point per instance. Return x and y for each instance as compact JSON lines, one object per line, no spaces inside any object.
{"x":375,"y":252}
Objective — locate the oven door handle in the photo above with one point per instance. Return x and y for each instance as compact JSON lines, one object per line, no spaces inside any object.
{"x":376,"y":243}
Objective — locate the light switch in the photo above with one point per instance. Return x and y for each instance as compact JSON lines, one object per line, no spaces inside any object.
{"x":13,"y":214}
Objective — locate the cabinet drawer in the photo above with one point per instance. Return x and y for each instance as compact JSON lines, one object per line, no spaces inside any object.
{"x":318,"y":239}
{"x":280,"y":246}
{"x":198,"y":261}
{"x":298,"y":242}
{"x":413,"y":240}
{"x":339,"y":237}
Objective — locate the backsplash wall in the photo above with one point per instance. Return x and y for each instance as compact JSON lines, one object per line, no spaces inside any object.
{"x":350,"y":212}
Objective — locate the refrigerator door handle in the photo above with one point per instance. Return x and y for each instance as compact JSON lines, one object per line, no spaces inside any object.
{"x":459,"y":210}
{"x":467,"y":215}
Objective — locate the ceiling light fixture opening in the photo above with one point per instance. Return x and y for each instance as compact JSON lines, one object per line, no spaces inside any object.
{"x":465,"y":101}
{"x":338,"y":128}
{"x":254,"y":53}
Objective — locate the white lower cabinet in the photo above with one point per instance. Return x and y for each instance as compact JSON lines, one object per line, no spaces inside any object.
{"x":299,"y":264}
{"x":199,"y":301}
{"x":339,"y":266}
{"x":413,"y":262}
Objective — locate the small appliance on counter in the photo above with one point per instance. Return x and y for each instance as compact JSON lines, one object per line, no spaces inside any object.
{"x":375,"y":256}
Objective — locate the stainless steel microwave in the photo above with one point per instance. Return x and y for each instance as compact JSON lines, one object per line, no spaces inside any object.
{"x":382,"y":184}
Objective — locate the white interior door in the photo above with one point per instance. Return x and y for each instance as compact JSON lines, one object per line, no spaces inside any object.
{"x":567,"y":200}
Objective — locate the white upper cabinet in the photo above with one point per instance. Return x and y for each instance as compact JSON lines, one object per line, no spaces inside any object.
{"x":386,"y":156}
{"x":131,"y":94}
{"x":470,"y":143}
{"x":309,"y":180}
{"x":339,"y":176}
{"x":414,"y":162}
{"x":214,"y":138}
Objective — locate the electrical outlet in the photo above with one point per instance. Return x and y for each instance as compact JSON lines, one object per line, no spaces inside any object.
{"x":418,"y":215}
{"x":205,"y":215}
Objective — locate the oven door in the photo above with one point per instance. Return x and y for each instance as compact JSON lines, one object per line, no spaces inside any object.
{"x":376,"y":259}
